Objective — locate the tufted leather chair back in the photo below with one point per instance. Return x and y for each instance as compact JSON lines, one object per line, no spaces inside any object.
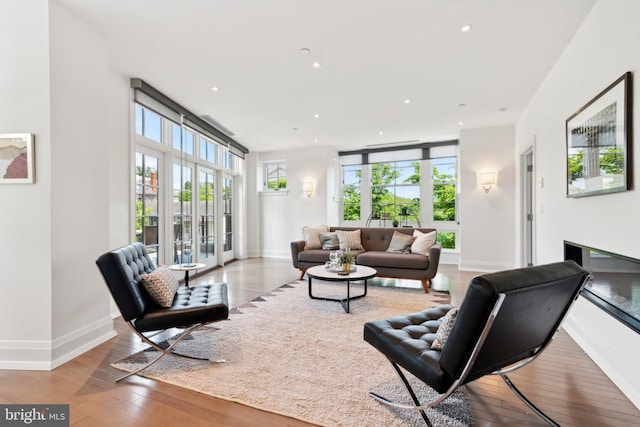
{"x":537,"y":299}
{"x":121,"y":269}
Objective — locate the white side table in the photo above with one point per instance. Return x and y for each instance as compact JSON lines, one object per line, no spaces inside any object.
{"x":187,"y":267}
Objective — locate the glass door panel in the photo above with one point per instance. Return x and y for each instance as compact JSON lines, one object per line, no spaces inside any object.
{"x":147,"y":213}
{"x":227,"y":203}
{"x":206,"y":215}
{"x":182,"y":205}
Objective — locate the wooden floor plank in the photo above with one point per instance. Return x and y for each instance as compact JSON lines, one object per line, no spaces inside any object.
{"x":564,"y":381}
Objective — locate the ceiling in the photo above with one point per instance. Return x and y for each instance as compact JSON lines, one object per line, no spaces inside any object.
{"x":373,"y":54}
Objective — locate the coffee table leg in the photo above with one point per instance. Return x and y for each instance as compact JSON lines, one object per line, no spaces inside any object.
{"x":343,"y":301}
{"x":186,"y":278}
{"x":348,"y":294}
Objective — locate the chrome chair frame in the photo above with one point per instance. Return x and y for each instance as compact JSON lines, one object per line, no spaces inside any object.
{"x":462,"y":378}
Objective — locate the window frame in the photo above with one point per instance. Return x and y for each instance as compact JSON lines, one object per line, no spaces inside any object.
{"x":280,"y":165}
{"x":426,"y":198}
{"x":225,"y":162}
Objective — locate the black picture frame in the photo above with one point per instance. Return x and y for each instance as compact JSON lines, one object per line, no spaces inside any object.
{"x":598,"y":142}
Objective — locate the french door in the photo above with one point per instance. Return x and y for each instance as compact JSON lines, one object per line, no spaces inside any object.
{"x":149,"y":197}
{"x":206,"y":248}
{"x":227,"y":218}
{"x":182,"y":210}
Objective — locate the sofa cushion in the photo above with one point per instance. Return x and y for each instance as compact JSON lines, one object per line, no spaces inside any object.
{"x":311,"y":236}
{"x":161,"y":285}
{"x":349,"y":239}
{"x":329,"y":240}
{"x":317,"y":256}
{"x":400,"y":243}
{"x":422,"y":242}
{"x":393,"y":260}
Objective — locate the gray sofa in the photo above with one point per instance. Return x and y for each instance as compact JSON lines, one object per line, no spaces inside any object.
{"x":375,"y":242}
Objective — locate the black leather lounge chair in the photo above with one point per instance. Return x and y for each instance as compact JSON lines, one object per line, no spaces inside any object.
{"x":192,"y":307}
{"x":504,"y":322}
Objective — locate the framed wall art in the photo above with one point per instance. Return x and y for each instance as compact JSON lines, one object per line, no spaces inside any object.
{"x":16,"y":158}
{"x":599,"y":142}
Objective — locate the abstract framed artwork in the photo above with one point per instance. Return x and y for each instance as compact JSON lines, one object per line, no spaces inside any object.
{"x":16,"y":158}
{"x":599,"y":142}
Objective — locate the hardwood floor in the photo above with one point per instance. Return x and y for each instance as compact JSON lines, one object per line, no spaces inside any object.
{"x":563,"y":382}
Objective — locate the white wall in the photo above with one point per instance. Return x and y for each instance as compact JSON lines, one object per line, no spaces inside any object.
{"x":487,"y":228}
{"x":25,"y":226}
{"x":79,"y":183}
{"x":59,"y":87}
{"x":603,"y":49}
{"x":277,"y":219}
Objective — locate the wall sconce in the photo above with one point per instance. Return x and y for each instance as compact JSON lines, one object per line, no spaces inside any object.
{"x":307,"y":188}
{"x":487,"y":180}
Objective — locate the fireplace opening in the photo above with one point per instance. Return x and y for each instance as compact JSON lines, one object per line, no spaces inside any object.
{"x":614,"y":282}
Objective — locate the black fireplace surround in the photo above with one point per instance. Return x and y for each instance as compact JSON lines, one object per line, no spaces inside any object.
{"x":614,"y":283}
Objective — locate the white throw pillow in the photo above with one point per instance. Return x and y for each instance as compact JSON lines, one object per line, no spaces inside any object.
{"x":311,"y":236}
{"x":400,"y":243}
{"x":161,"y":285}
{"x":349,"y":240}
{"x":423,"y":242}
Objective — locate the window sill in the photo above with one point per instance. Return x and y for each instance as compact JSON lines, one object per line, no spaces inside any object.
{"x":274,"y":193}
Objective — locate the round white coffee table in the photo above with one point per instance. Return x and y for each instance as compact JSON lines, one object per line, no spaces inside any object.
{"x":321,"y":273}
{"x":186,"y":267}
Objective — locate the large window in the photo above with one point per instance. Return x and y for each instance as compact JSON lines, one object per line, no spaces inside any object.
{"x":395,"y":193}
{"x":183,"y":164}
{"x":413,"y":187}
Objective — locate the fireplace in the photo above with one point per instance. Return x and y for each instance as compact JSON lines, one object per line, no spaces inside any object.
{"x":614,"y":282}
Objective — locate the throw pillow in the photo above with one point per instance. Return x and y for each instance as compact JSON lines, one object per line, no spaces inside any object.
{"x":400,"y":243}
{"x":161,"y":285}
{"x":442,"y":334}
{"x":349,"y":240}
{"x":311,"y":237}
{"x":329,"y":240}
{"x":423,"y":242}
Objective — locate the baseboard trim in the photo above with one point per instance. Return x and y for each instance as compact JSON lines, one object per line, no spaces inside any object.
{"x":48,"y":355}
{"x":483,"y":266}
{"x":601,"y":337}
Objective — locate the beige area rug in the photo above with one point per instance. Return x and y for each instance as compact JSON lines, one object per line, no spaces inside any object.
{"x":307,"y":359}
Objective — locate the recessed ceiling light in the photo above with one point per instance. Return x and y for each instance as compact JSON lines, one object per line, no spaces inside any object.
{"x":315,"y":140}
{"x":502,"y":109}
{"x":460,"y":123}
{"x":316,"y":64}
{"x":214,"y":88}
{"x":407,"y":101}
{"x":380,"y":133}
{"x":466,"y":28}
{"x":305,"y":51}
{"x":462,"y":105}
{"x":316,"y":115}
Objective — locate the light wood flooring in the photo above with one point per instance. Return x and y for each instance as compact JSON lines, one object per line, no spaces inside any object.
{"x":563,"y":382}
